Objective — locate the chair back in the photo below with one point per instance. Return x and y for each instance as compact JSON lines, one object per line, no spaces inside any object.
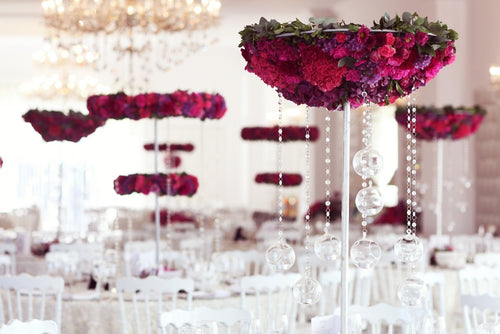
{"x":224,"y":320}
{"x":481,"y":314}
{"x":143,"y":293}
{"x":275,"y":307}
{"x":384,"y":318}
{"x":34,"y":326}
{"x":479,"y":281}
{"x":30,"y":291}
{"x":435,"y":282}
{"x":491,"y":259}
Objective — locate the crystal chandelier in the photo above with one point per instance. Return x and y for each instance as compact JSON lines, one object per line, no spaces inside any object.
{"x":63,"y":85}
{"x":93,"y":16}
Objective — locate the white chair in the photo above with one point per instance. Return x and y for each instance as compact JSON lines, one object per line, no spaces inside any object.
{"x":152,"y":289}
{"x":224,"y":319}
{"x":385,"y":318}
{"x":481,"y":314}
{"x":244,"y":263}
{"x":34,"y":326}
{"x":26,"y":288}
{"x":8,"y":249}
{"x":277,"y":311}
{"x":330,"y":298}
{"x":385,"y":281}
{"x":140,"y":255}
{"x":435,"y":283}
{"x":479,"y":281}
{"x":62,"y":263}
{"x":87,"y":254}
{"x":487,"y":260}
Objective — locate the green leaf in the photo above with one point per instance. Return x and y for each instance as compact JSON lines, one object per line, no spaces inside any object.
{"x":353,"y":27}
{"x":346,"y":61}
{"x":399,"y":89}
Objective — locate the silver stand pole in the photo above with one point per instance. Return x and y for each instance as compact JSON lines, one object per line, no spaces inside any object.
{"x":439,"y":190}
{"x":157,"y":207}
{"x":346,"y":164}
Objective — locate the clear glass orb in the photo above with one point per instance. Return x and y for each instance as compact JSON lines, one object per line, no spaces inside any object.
{"x":327,"y":247}
{"x":409,"y":249}
{"x":307,"y":291}
{"x":365,"y":253}
{"x":367,"y":162}
{"x":280,"y":257}
{"x":412,"y":291}
{"x":369,"y":201}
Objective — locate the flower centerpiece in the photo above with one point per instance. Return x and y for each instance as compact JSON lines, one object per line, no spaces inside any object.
{"x":444,"y":123}
{"x":153,"y":105}
{"x":171,"y":147}
{"x":288,"y":179}
{"x":289,"y":133}
{"x":181,"y":184}
{"x":326,"y":63}
{"x":58,"y":126}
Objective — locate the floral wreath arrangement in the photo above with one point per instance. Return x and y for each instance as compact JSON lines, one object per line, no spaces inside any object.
{"x":175,"y":217}
{"x":317,"y":210}
{"x":326,"y":63}
{"x":444,"y":123}
{"x":181,"y":184}
{"x":154,"y":105}
{"x":1,"y":162}
{"x":171,"y":147}
{"x":58,"y":126}
{"x":289,"y":179}
{"x":289,"y":133}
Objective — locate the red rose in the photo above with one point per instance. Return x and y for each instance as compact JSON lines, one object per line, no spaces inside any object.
{"x":389,"y":38}
{"x":340,"y":37}
{"x":421,"y":38}
{"x":463,"y":131}
{"x":386,"y":51}
{"x":140,"y":100}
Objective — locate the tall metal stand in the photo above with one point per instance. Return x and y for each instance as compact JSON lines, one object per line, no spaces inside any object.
{"x":346,"y":163}
{"x":439,"y":190}
{"x":157,"y":207}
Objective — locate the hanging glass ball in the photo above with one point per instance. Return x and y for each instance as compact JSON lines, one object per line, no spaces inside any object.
{"x":367,"y":162}
{"x":365,"y":253}
{"x":369,"y":201}
{"x":327,"y":247}
{"x":412,"y":291}
{"x":307,"y":291}
{"x":409,"y":249}
{"x":280,"y":257}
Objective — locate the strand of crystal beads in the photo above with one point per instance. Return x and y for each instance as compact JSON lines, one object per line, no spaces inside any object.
{"x":413,"y":166}
{"x":307,"y":290}
{"x":328,"y":182}
{"x":327,"y":246}
{"x":409,"y":249}
{"x":279,"y":164}
{"x":307,"y":241}
{"x":280,"y":256}
{"x":367,"y":163}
